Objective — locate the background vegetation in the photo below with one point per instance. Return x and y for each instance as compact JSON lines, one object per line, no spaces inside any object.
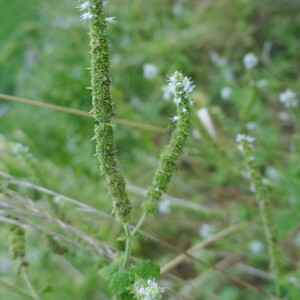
{"x":44,"y":56}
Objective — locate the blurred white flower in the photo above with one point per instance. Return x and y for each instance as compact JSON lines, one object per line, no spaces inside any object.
{"x":206,"y":231}
{"x":84,"y":5}
{"x":164,"y":206}
{"x":289,"y":98}
{"x":262,"y":84}
{"x":206,"y":121}
{"x":283,"y":116}
{"x":86,"y":16}
{"x":272,"y":173}
{"x":256,"y":247}
{"x":297,"y":239}
{"x":218,"y":60}
{"x":250,"y":125}
{"x":166,"y":93}
{"x":243,"y":138}
{"x":175,"y":118}
{"x":226,"y":93}
{"x":250,"y":61}
{"x":149,"y":71}
{"x":111,"y":20}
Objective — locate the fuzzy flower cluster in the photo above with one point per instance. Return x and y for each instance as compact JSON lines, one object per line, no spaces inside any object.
{"x":241,"y":139}
{"x":289,"y":98}
{"x":86,"y":16}
{"x":180,"y":87}
{"x":148,"y":291}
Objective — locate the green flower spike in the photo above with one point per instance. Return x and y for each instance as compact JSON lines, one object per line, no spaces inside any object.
{"x":180,"y":87}
{"x":245,"y":146}
{"x":103,"y":106}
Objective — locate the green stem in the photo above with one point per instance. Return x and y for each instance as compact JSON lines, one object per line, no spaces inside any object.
{"x":28,"y":282}
{"x":128,"y":246}
{"x":139,"y":224}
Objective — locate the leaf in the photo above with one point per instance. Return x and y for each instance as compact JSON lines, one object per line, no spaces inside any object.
{"x":107,"y":272}
{"x":146,"y":269}
{"x":120,"y":281}
{"x":47,"y":289}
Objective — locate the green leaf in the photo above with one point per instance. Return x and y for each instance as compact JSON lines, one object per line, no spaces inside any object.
{"x":107,"y":272}
{"x":146,"y":269}
{"x":122,"y":238}
{"x":120,"y":281}
{"x":47,"y":289}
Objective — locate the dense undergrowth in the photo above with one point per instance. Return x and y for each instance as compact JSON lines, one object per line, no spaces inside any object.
{"x":243,"y":57}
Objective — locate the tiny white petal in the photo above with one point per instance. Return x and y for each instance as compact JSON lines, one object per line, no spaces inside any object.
{"x":111,"y":20}
{"x":175,"y":118}
{"x":84,"y":5}
{"x":86,"y":16}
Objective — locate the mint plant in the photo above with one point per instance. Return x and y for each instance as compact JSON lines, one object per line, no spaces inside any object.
{"x":103,"y":110}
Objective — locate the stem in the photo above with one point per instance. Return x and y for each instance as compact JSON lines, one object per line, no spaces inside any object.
{"x":139,"y":224}
{"x":128,"y":246}
{"x":28,"y":282}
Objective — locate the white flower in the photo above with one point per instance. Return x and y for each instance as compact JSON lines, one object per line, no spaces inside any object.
{"x":166,"y":93}
{"x":18,"y":149}
{"x":206,"y":231}
{"x":149,"y":71}
{"x":226,"y":92}
{"x":86,"y":16}
{"x":250,"y":61}
{"x":262,"y":84}
{"x":250,"y":125}
{"x":218,"y":60}
{"x":84,"y":5}
{"x":177,"y":101}
{"x":180,"y":86}
{"x":288,"y":98}
{"x":148,"y":291}
{"x":111,"y":20}
{"x":175,"y":118}
{"x":283,"y":116}
{"x":256,"y":247}
{"x":164,"y":206}
{"x":184,"y":110}
{"x":243,"y":138}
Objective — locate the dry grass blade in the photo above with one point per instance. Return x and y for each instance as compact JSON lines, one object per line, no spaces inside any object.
{"x":199,"y":280}
{"x":178,"y":259}
{"x":80,"y":113}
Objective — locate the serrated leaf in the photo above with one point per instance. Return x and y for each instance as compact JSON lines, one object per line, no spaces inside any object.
{"x":47,"y":289}
{"x":107,"y":272}
{"x":146,"y":269}
{"x":120,"y":281}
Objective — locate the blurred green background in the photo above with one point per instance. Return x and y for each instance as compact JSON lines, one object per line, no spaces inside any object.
{"x":44,"y":56}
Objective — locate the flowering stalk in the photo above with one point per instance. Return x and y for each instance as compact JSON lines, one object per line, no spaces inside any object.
{"x":261,"y":193}
{"x":103,"y":106}
{"x":180,"y":87}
